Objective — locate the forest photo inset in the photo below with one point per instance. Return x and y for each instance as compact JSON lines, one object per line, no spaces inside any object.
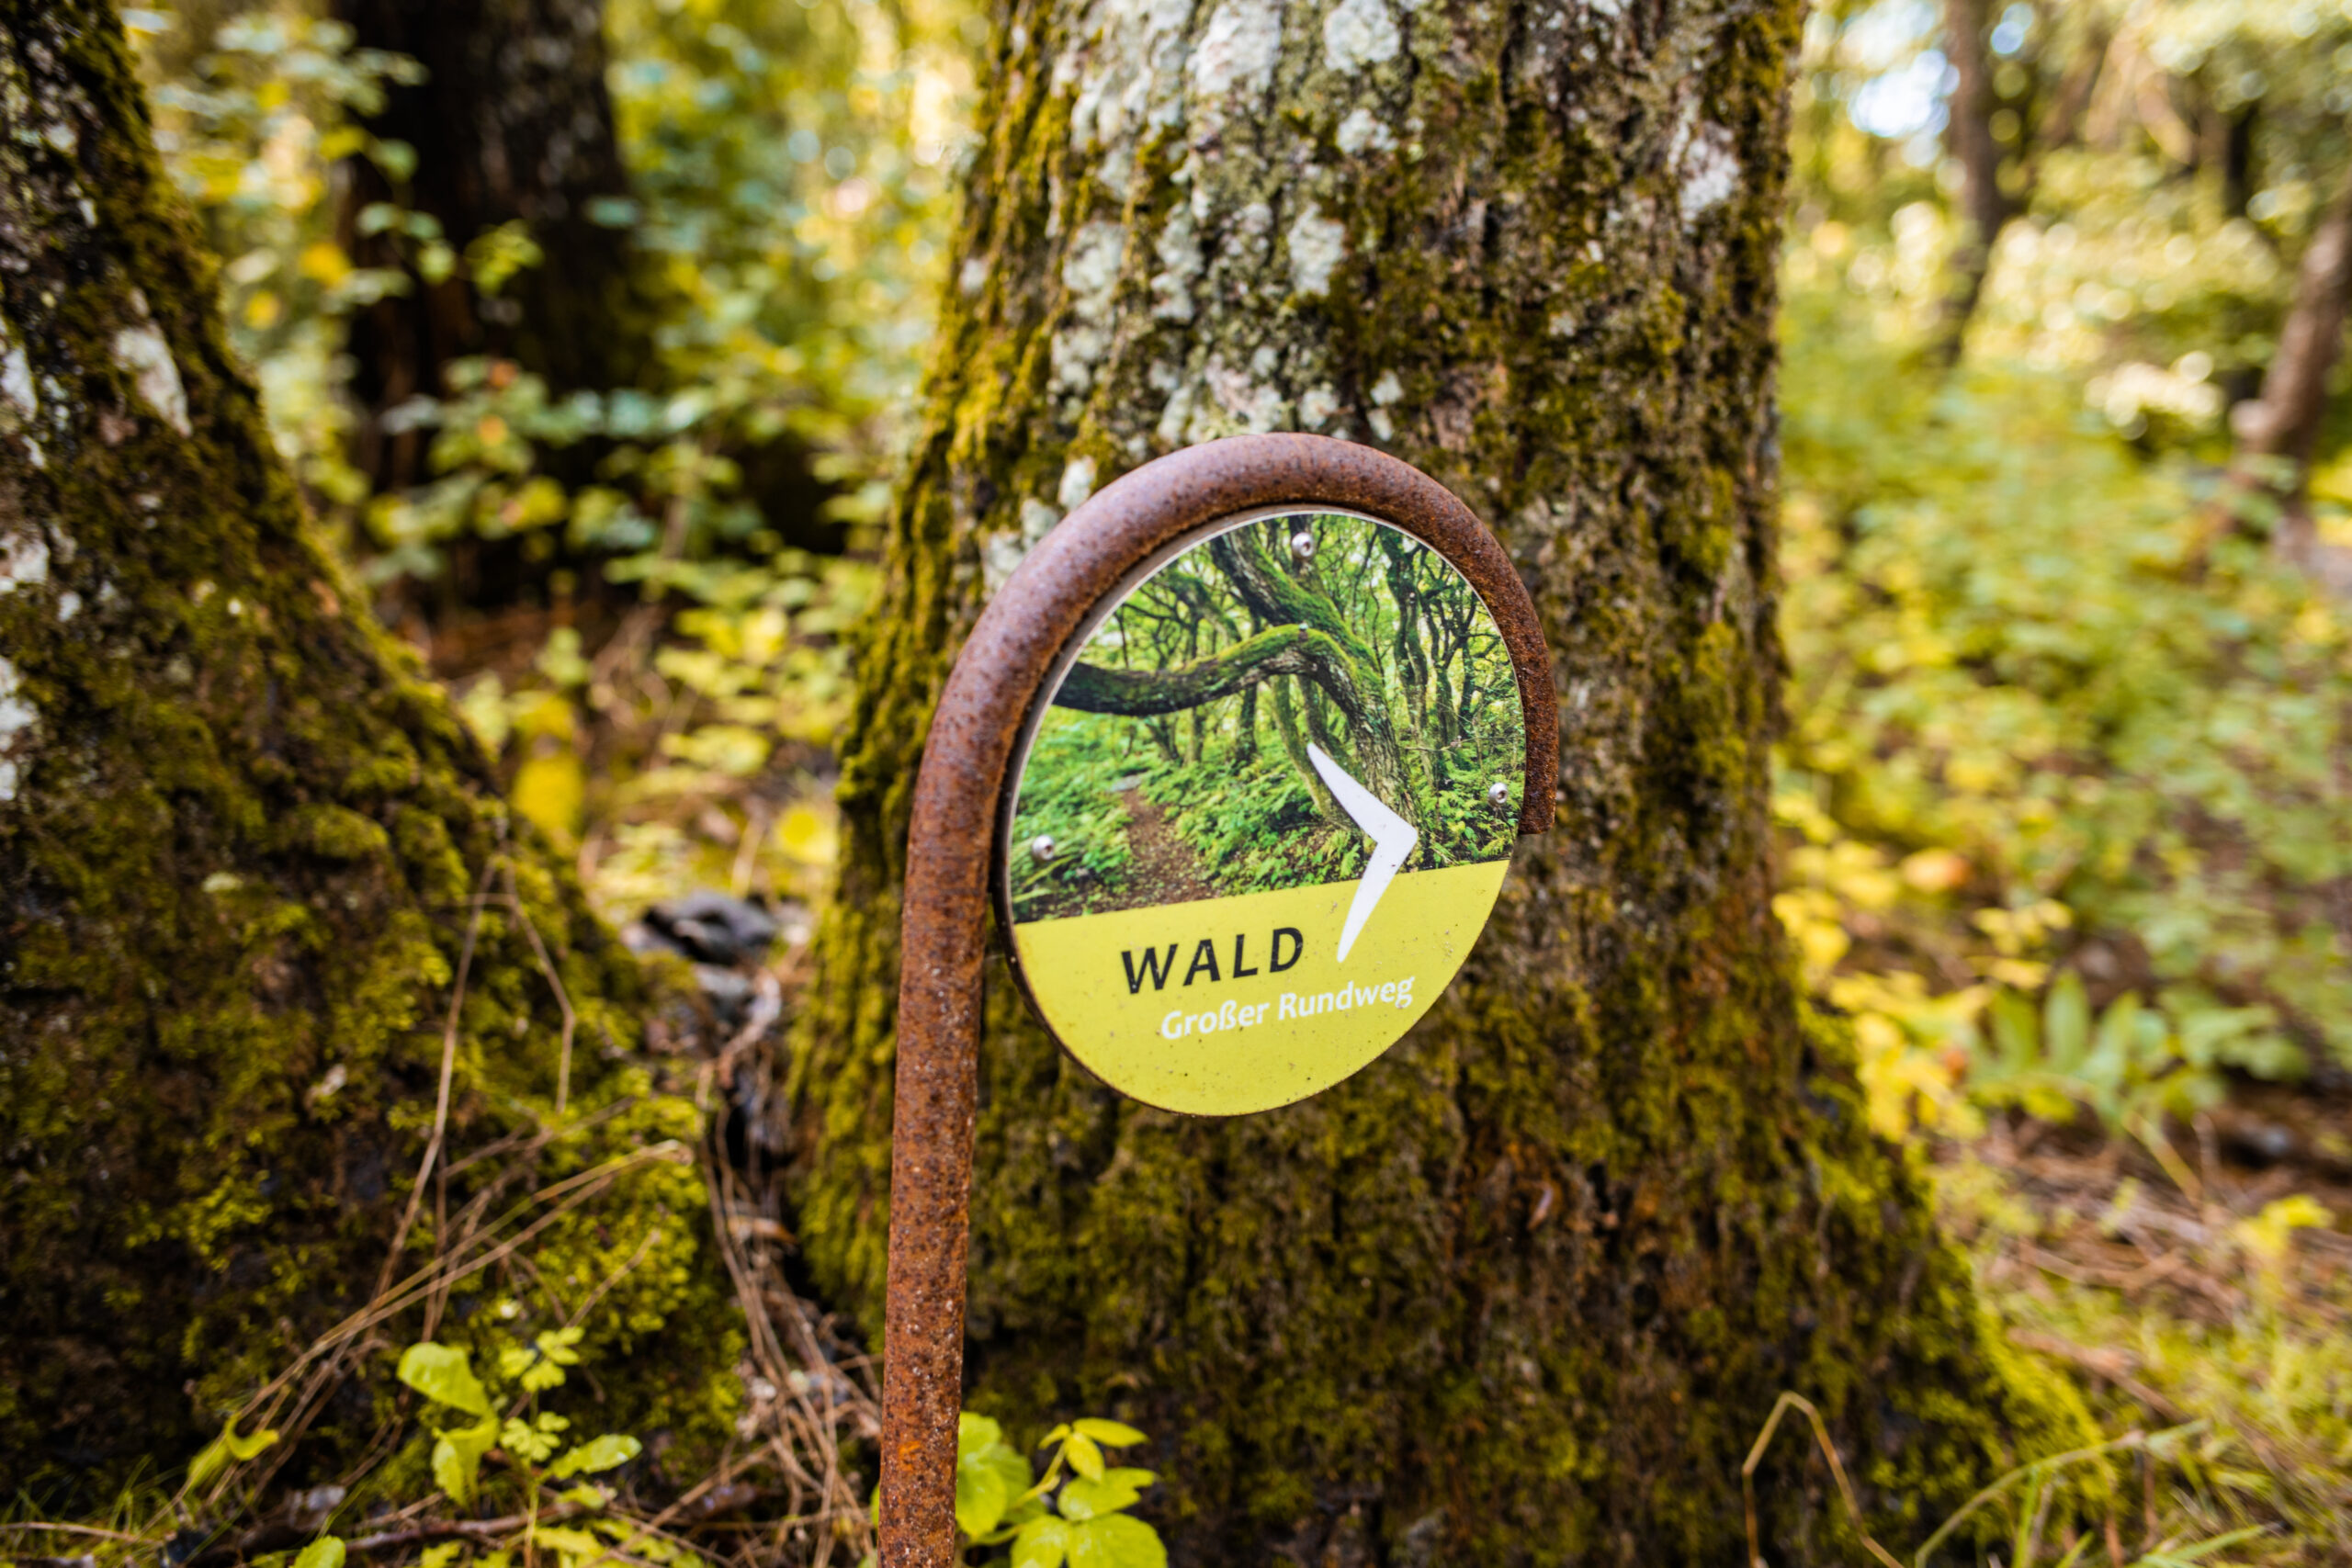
{"x":1173,"y":765}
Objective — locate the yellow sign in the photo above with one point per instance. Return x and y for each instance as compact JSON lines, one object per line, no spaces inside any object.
{"x":1264,"y":813}
{"x":1229,"y":1005}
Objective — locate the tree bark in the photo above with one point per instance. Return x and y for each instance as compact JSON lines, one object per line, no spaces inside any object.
{"x":246,"y":855}
{"x":1986,"y":208}
{"x":2277,"y":433}
{"x":512,"y":123}
{"x":1284,"y":651}
{"x":1524,"y":1289}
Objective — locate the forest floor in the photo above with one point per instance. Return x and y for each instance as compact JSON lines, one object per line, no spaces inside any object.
{"x":2196,"y":1289}
{"x":1164,"y":868}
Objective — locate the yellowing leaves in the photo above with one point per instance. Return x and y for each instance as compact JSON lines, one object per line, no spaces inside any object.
{"x":551,"y":789}
{"x":2267,"y":1237}
{"x":324,"y":261}
{"x":807,"y":834}
{"x":1936,"y":871}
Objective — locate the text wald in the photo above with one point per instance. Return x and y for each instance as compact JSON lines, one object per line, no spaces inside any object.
{"x":1158,"y":965}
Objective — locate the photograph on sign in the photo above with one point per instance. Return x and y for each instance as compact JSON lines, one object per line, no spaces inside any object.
{"x":1261,"y":814}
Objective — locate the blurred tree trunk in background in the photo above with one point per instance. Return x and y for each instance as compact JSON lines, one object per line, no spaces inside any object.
{"x":2043,"y":111}
{"x":1985,"y":207}
{"x":2277,"y":433}
{"x":245,"y":854}
{"x":512,"y":128}
{"x":511,"y":125}
{"x":1525,"y":1289}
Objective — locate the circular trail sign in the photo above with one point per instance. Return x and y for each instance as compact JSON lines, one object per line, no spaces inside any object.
{"x":1241,"y":749}
{"x":1261,"y":808}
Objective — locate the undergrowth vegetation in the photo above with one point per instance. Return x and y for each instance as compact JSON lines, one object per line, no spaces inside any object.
{"x":2065,"y":792}
{"x":2045,"y":710}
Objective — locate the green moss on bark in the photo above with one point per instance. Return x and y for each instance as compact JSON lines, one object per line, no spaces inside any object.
{"x":241,"y":841}
{"x":1524,"y":1289}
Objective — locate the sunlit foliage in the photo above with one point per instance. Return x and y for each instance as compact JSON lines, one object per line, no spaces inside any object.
{"x":2052,"y":715}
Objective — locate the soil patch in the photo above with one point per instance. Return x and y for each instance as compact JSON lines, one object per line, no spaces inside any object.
{"x":1165,"y":869}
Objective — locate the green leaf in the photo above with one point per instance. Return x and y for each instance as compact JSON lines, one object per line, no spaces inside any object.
{"x":575,"y":1545}
{"x":1111,"y":1434}
{"x":445,"y":1375}
{"x":325,"y":1552}
{"x":981,"y":1496}
{"x":976,"y":1433}
{"x":1042,"y":1543}
{"x":1085,"y":1499}
{"x":1009,"y":1465}
{"x":1117,"y":1541}
{"x":2016,"y":1032}
{"x":1084,"y":1457}
{"x":597,"y":1453}
{"x":2066,"y":1022}
{"x":454,"y":1471}
{"x":531,"y":1444}
{"x":441,"y":1556}
{"x":2182,"y":1557}
{"x":457,"y":1456}
{"x":216,"y":1455}
{"x":247,"y":1448}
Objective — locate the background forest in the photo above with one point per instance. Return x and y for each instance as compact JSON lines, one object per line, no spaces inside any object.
{"x":1137,"y":792}
{"x":2066,"y":782}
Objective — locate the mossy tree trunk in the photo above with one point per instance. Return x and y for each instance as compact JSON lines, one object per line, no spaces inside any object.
{"x":1524,"y":1289}
{"x":243,"y":844}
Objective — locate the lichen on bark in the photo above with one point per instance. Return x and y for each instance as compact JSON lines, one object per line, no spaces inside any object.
{"x":1524,"y":1289}
{"x":241,"y":841}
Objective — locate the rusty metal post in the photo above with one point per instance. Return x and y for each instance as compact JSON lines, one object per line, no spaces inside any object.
{"x":949,"y":846}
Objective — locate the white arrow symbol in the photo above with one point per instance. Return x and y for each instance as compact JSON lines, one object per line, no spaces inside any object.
{"x":1392,"y":840}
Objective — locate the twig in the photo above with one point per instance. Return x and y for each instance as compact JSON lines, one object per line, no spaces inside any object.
{"x":36,"y":1527}
{"x":1836,"y":1468}
{"x":812,"y":1428}
{"x":456,"y":1529}
{"x":2132,"y":1440}
{"x":448,"y":1071}
{"x":652,"y":1238}
{"x":2152,"y":1136}
{"x":573,"y":1190}
{"x":305,"y":1406}
{"x":555,"y":982}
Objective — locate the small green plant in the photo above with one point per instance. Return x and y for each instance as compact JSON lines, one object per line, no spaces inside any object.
{"x":1085,"y":1523}
{"x":525,"y":1435}
{"x":552,"y":1507}
{"x":2127,"y":1063}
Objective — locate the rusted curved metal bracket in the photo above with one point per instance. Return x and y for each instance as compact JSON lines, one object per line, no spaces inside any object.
{"x":996,"y":678}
